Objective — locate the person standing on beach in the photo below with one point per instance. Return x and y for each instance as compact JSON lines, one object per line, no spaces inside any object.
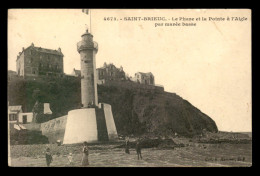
{"x":138,"y":149}
{"x":127,"y":145}
{"x":84,"y":161}
{"x":48,"y":157}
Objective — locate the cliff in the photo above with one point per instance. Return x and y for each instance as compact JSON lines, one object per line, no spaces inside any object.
{"x":136,"y":111}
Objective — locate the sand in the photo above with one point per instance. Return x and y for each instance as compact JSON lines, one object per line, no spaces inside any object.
{"x":195,"y":155}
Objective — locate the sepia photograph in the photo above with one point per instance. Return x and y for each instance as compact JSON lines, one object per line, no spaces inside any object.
{"x":129,"y":88}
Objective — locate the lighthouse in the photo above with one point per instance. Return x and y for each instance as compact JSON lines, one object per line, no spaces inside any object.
{"x":94,"y":121}
{"x":88,"y":49}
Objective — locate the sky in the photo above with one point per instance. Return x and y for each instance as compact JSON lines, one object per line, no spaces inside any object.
{"x":208,"y":64}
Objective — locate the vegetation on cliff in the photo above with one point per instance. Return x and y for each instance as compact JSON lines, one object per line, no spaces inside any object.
{"x":135,"y":111}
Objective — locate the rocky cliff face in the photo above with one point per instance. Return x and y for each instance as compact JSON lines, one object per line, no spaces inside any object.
{"x":135,"y":111}
{"x":161,"y":113}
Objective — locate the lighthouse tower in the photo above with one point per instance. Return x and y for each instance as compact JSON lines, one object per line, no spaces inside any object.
{"x":93,"y":122}
{"x":87,"y":49}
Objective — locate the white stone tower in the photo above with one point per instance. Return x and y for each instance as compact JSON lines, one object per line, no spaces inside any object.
{"x":90,"y":123}
{"x":88,"y":49}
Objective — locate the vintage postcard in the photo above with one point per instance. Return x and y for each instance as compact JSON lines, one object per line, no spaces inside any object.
{"x":129,"y":88}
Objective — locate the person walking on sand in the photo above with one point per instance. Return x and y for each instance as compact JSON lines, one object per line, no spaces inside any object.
{"x":127,"y":145}
{"x":138,"y":149}
{"x":84,"y":161}
{"x":48,"y":157}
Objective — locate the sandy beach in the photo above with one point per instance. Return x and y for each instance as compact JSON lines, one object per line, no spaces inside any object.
{"x":100,"y":155}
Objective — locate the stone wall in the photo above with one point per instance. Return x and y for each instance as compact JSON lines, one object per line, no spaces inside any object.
{"x":110,"y":123}
{"x":54,"y":129}
{"x":32,"y":126}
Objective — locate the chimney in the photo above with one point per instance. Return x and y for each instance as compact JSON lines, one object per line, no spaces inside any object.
{"x":59,"y":50}
{"x":23,"y":48}
{"x":32,"y":45}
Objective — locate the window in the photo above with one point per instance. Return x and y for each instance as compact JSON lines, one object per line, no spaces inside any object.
{"x":151,"y":79}
{"x":12,"y":117}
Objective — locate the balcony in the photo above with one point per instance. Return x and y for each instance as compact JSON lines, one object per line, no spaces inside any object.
{"x":84,"y":45}
{"x":95,"y":45}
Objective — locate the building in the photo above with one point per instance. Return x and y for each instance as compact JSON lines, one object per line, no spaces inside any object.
{"x":110,"y":72}
{"x":76,"y":73}
{"x":16,"y":115}
{"x":36,"y":61}
{"x":106,"y":73}
{"x":13,"y":113}
{"x":11,"y":75}
{"x":144,"y":78}
{"x":25,"y":118}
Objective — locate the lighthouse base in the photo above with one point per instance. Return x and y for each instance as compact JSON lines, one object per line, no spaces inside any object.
{"x":81,"y":126}
{"x":91,"y":125}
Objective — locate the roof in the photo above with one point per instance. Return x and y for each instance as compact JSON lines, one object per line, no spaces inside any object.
{"x":107,"y":66}
{"x":77,"y":72}
{"x":101,"y":67}
{"x":145,"y":74}
{"x":44,"y":50}
{"x":15,"y":108}
{"x":11,"y":72}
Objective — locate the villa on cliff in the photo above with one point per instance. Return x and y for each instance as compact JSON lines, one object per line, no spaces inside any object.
{"x":36,"y":61}
{"x":144,"y":78}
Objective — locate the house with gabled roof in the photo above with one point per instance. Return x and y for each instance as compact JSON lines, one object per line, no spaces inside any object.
{"x":36,"y":61}
{"x":144,"y":78}
{"x":13,"y":112}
